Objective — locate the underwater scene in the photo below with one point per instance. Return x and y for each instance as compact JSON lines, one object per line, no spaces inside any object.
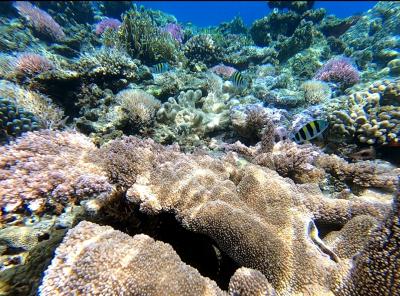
{"x":151,"y":149}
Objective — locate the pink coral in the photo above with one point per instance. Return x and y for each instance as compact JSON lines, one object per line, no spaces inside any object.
{"x":175,"y":30}
{"x":223,"y":70}
{"x":339,"y":70}
{"x":49,"y":168}
{"x":40,"y":20}
{"x":31,"y":64}
{"x":107,"y":23}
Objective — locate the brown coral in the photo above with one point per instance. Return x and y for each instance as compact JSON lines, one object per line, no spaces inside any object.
{"x":99,"y":260}
{"x":376,"y":269}
{"x":255,"y":216}
{"x":48,"y":168}
{"x":249,"y":282}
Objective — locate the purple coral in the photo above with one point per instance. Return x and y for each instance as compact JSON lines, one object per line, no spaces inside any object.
{"x":40,"y":20}
{"x":338,"y":70}
{"x":175,"y":30}
{"x":107,"y":23}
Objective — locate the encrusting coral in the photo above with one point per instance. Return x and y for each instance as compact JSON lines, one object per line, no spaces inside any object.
{"x":48,"y":169}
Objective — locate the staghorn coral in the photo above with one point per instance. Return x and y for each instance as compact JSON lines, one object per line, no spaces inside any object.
{"x":40,"y":20}
{"x":375,"y":270}
{"x":46,"y":112}
{"x":47,"y":169}
{"x":87,"y":262}
{"x":316,"y":91}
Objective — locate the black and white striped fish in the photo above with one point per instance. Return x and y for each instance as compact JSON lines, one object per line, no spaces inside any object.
{"x":160,"y":68}
{"x":238,"y":80}
{"x":309,"y":131}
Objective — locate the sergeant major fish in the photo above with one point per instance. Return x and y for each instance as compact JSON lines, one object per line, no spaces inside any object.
{"x":160,"y":68}
{"x":238,"y":80}
{"x":309,"y":131}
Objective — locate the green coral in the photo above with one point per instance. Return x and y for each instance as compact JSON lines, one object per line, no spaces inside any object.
{"x":143,"y":40}
{"x":15,"y":120}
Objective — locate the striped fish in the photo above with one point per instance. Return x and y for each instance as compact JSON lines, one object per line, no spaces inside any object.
{"x":238,"y":80}
{"x":310,"y":131}
{"x":160,"y":68}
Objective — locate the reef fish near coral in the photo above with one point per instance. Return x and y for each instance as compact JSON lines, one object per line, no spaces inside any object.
{"x":309,"y":131}
{"x":160,"y":68}
{"x":239,"y":80}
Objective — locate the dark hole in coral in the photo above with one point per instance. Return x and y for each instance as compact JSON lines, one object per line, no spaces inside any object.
{"x":325,"y":228}
{"x":196,"y":250}
{"x":44,"y":236}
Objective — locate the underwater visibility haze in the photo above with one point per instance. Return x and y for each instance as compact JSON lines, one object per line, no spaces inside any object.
{"x":200,"y":148}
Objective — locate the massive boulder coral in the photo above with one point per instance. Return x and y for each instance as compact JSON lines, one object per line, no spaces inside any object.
{"x":49,"y":169}
{"x":87,"y":262}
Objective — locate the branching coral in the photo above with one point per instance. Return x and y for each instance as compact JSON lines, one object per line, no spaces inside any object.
{"x":106,"y":63}
{"x":143,"y":40}
{"x":87,"y":262}
{"x":48,"y":169}
{"x":40,"y":20}
{"x":366,"y":116}
{"x":339,"y":70}
{"x":293,"y":161}
{"x":202,"y":48}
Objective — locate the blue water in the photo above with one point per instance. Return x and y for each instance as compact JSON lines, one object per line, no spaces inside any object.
{"x":204,"y":13}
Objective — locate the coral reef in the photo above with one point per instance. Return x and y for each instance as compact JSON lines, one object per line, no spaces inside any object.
{"x":338,"y":70}
{"x":250,"y":214}
{"x":142,"y":40}
{"x":40,"y":20}
{"x":48,"y":169}
{"x":316,"y":91}
{"x":375,"y":269}
{"x":147,"y":267}
{"x":46,"y":112}
{"x":14,"y":120}
{"x":366,"y":116}
{"x":107,"y":23}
